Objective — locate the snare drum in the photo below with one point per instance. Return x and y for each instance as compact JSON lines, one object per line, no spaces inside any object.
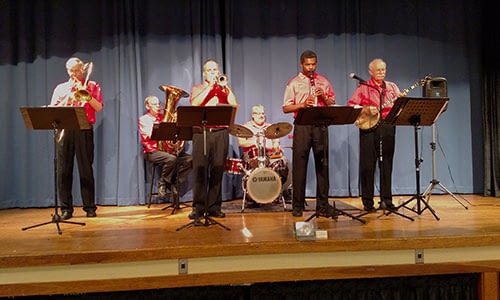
{"x":251,"y":153}
{"x":234,"y":166}
{"x":252,"y":158}
{"x":263,"y":185}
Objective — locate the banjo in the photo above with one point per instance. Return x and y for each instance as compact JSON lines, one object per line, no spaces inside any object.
{"x":369,"y":117}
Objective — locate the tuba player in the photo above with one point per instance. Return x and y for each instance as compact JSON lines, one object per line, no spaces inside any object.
{"x":152,"y":153}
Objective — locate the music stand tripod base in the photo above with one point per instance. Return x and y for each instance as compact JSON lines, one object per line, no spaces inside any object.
{"x":386,"y":212}
{"x":336,"y":212}
{"x":56,"y":219}
{"x":420,"y":202}
{"x":207,"y":222}
{"x":176,"y":204}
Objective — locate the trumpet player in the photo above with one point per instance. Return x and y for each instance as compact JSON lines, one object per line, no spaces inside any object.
{"x":214,"y":90}
{"x":77,"y":91}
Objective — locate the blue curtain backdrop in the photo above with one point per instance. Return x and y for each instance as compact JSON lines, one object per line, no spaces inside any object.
{"x":137,"y":45}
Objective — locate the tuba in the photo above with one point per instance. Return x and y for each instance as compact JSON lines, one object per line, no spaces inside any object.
{"x":173,"y":95}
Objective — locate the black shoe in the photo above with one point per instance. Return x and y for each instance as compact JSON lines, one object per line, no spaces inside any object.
{"x":297,"y":212}
{"x":218,"y":214}
{"x":387,"y":206}
{"x":369,"y":208}
{"x":162,"y":190}
{"x":194,"y":215}
{"x":197,"y":221}
{"x":66,"y":215}
{"x":91,"y":214}
{"x":325,"y":210}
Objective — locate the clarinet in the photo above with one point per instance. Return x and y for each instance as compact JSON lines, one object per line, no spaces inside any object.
{"x":313,"y":88}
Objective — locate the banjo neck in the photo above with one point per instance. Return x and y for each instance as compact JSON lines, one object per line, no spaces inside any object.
{"x":405,"y":92}
{"x":368,"y":121}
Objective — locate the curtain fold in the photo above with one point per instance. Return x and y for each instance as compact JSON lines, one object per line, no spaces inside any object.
{"x":136,"y":46}
{"x":490,"y":104}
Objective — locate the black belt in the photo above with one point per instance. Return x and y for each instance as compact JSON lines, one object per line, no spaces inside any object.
{"x":211,"y":129}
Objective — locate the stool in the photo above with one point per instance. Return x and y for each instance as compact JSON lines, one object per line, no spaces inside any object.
{"x":154,"y":171}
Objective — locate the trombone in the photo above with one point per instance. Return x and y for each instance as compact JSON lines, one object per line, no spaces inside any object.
{"x":82,"y":95}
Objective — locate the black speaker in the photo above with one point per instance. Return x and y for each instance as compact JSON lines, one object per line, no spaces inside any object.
{"x":435,"y":87}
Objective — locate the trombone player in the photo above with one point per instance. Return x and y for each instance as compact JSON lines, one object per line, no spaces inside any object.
{"x":77,"y":91}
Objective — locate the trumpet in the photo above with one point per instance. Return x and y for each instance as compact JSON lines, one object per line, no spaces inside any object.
{"x":82,"y":95}
{"x":222,"y":80}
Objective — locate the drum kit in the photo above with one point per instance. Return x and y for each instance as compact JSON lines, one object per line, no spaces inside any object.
{"x":261,"y":170}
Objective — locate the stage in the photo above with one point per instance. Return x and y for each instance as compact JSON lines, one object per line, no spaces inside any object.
{"x":140,"y":248}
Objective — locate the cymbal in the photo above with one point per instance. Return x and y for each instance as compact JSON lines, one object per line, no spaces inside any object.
{"x":240,"y":131}
{"x":170,"y":88}
{"x":278,"y":130}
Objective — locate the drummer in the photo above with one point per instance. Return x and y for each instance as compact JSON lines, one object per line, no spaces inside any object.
{"x":273,"y":151}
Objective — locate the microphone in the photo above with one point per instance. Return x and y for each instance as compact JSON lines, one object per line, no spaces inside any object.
{"x":354,"y":76}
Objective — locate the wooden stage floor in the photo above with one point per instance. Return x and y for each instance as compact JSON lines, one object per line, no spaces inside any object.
{"x":135,"y":247}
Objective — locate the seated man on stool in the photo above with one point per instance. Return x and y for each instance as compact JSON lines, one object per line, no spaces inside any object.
{"x":155,"y":155}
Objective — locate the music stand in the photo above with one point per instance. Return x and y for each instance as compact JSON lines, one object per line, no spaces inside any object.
{"x":55,"y":118}
{"x":203,"y":116}
{"x":326,"y":116}
{"x":416,"y":112}
{"x":169,"y":131}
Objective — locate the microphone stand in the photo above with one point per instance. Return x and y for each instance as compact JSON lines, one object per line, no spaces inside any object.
{"x":435,"y":183}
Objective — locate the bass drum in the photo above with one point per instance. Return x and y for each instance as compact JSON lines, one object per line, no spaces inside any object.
{"x":263,"y":185}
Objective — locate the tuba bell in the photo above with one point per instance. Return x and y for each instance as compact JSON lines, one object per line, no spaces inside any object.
{"x":173,"y":95}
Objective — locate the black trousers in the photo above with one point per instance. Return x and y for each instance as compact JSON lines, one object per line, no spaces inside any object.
{"x":209,"y":169}
{"x":169,"y":165}
{"x":306,"y":137}
{"x":376,"y":147}
{"x":79,"y":143}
